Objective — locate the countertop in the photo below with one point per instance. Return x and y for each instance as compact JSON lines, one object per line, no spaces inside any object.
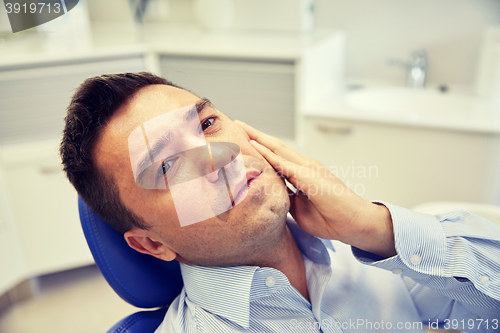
{"x":477,"y":115}
{"x":111,"y":40}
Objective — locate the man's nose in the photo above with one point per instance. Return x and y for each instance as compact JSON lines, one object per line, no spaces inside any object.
{"x":221,"y":154}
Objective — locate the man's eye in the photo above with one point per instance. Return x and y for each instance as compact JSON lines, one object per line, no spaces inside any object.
{"x":207,"y":123}
{"x":163,"y":169}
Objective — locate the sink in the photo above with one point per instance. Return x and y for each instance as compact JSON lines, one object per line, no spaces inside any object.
{"x":407,"y":100}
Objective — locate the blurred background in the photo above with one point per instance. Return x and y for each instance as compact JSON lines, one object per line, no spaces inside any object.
{"x":400,"y":99}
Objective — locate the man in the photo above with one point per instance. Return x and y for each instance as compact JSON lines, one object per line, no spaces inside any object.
{"x":246,"y":268}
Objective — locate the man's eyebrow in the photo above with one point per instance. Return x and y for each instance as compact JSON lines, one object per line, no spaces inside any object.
{"x":202,"y":104}
{"x":199,"y":106}
{"x":148,"y":159}
{"x":159,"y":145}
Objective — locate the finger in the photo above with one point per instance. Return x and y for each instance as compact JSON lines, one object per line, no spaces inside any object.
{"x":278,"y":162}
{"x":277,"y":146}
{"x":286,"y":168}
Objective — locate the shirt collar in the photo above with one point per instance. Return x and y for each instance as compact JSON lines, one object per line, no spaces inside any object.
{"x":315,"y":249}
{"x":227,"y":291}
{"x":224,"y":291}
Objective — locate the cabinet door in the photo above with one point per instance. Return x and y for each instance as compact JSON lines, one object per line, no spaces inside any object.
{"x":401,"y":165}
{"x":45,"y":208}
{"x":259,"y":93}
{"x":12,"y":267}
{"x":33,"y":102}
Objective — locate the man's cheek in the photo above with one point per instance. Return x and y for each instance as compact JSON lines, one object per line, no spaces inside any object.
{"x":197,"y":200}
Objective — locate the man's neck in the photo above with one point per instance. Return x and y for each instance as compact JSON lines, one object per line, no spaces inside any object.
{"x":287,"y":258}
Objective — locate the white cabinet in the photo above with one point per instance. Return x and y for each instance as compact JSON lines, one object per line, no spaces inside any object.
{"x":403,"y":165}
{"x":44,"y":207}
{"x":12,"y":261}
{"x":43,"y":204}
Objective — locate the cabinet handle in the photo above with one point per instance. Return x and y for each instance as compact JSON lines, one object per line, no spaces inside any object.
{"x":334,"y":130}
{"x":48,"y":170}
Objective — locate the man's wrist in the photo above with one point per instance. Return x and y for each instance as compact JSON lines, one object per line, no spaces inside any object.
{"x":378,"y":234}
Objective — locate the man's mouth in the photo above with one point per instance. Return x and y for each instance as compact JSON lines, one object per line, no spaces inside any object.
{"x":244,"y":186}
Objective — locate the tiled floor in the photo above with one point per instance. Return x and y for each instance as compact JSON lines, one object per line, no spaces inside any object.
{"x":76,"y":301}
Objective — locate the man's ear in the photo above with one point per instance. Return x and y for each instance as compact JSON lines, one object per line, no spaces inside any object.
{"x":145,"y":242}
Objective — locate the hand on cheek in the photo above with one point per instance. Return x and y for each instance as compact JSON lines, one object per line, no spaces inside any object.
{"x":257,"y":154}
{"x":325,"y":206}
{"x":251,"y":150}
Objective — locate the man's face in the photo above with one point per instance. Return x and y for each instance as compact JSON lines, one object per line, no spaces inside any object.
{"x":239,"y":235}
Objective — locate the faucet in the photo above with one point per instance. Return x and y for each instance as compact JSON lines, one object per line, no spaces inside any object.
{"x":416,"y":68}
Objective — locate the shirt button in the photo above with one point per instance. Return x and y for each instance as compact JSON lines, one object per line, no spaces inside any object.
{"x":397,"y":271}
{"x":270,"y":281}
{"x":484,"y":280}
{"x":415,"y":259}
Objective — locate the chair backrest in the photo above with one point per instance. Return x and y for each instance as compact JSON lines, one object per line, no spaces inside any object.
{"x":140,"y":322}
{"x":141,"y":280}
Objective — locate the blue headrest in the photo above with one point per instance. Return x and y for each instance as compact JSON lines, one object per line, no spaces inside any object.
{"x":141,"y":280}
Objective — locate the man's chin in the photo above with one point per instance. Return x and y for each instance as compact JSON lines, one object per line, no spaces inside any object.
{"x":264,"y":199}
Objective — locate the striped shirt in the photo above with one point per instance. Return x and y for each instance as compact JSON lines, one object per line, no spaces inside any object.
{"x":446,"y":274}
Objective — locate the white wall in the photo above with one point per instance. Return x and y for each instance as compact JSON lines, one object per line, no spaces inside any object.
{"x":449,"y":30}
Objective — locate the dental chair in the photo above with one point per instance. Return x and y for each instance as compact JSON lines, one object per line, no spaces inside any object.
{"x":139,"y":279}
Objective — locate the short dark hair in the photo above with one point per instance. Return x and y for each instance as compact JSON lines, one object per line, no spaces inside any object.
{"x":90,"y":109}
